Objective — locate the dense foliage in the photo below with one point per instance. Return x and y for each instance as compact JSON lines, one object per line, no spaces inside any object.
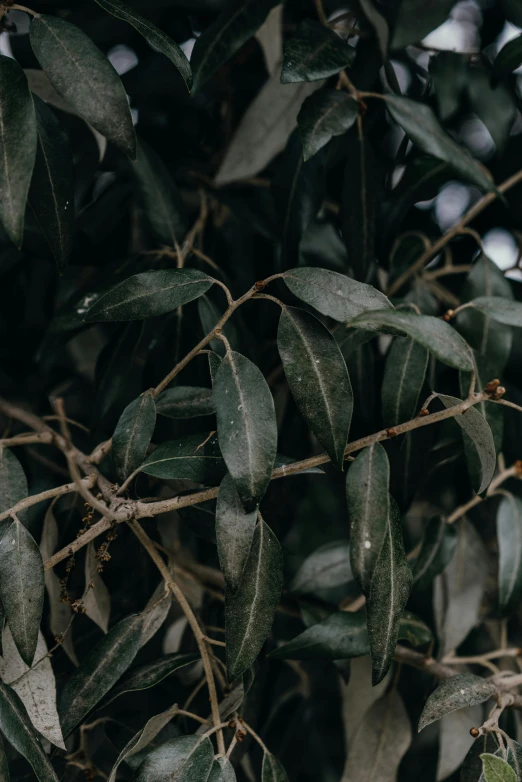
{"x":261,"y":374}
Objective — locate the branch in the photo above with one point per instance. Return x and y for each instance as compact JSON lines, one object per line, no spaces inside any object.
{"x":59,"y":491}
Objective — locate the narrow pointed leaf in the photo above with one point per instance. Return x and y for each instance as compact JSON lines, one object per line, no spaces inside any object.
{"x":144,"y":676}
{"x":416,"y":18}
{"x":327,"y":567}
{"x":434,"y":334}
{"x":17,"y":146}
{"x":152,"y":34}
{"x":97,"y":599}
{"x":51,"y":196}
{"x":222,"y":771}
{"x":22,"y":587}
{"x":367,"y":486}
{"x":184,"y":759}
{"x":438,"y":546}
{"x":341,"y":636}
{"x":496,"y":769}
{"x":250,"y":612}
{"x":195,"y":457}
{"x":272,"y":770}
{"x":323,"y":115}
{"x":404,"y":374}
{"x":185,"y":402}
{"x":314,"y":52}
{"x":149,"y":294}
{"x":99,"y":671}
{"x":480,"y":450}
{"x":246,"y":426}
{"x":234,"y":533}
{"x":509,"y":537}
{"x":158,"y":197}
{"x":84,"y":78}
{"x":421,"y":125}
{"x":464,"y":689}
{"x":508,"y":59}
{"x":318,"y":378}
{"x":18,"y":729}
{"x":239,"y":21}
{"x":389,"y":592}
{"x":334,"y":294}
{"x":500,"y":309}
{"x":13,"y":483}
{"x":133,"y":434}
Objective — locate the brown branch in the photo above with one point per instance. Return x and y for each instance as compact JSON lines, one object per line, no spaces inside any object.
{"x":59,"y":491}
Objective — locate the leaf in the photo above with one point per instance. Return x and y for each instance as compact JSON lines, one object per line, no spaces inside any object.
{"x":195,"y":458}
{"x":118,"y":376}
{"x":239,"y":21}
{"x":272,"y":770}
{"x":185,"y":402}
{"x":143,"y":737}
{"x":4,"y":764}
{"x":507,"y":60}
{"x":264,"y":129}
{"x":496,"y":769}
{"x":434,"y":334}
{"x":358,"y":696}
{"x":416,"y":18}
{"x":500,"y":309}
{"x":459,"y":589}
{"x":21,"y":587}
{"x":246,"y":426}
{"x":158,"y":196}
{"x":334,"y":294}
{"x":84,"y":78}
{"x":493,"y":105}
{"x":19,"y":731}
{"x":479,"y":441}
{"x":51,"y":195}
{"x":404,"y":374}
{"x":133,"y":434}
{"x":327,"y":567}
{"x":381,"y":740}
{"x":297,"y":190}
{"x":96,"y":600}
{"x":323,"y":115}
{"x":17,"y":146}
{"x":367,"y":486}
{"x":438,"y":547}
{"x":155,"y":612}
{"x":509,"y":537}
{"x":222,"y":771}
{"x":99,"y":671}
{"x":270,"y":38}
{"x":315,"y":52}
{"x":36,"y":687}
{"x":421,"y":125}
{"x":463,"y":689}
{"x":249,"y":613}
{"x":144,"y":676}
{"x":234,"y":533}
{"x":389,"y":591}
{"x":155,"y":37}
{"x":318,"y":378}
{"x":455,"y":739}
{"x":149,"y":294}
{"x":449,"y":72}
{"x":13,"y":483}
{"x":184,"y":759}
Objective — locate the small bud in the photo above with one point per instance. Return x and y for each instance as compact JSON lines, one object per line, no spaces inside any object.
{"x":423,"y":412}
{"x":492,"y":386}
{"x":499,"y":393}
{"x":448,"y":315}
{"x":475,"y":732}
{"x":392,"y":432}
{"x":260,"y":284}
{"x":518,"y":467}
{"x":232,"y":724}
{"x":218,"y":332}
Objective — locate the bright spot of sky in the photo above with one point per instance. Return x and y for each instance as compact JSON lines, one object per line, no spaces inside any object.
{"x":122,"y":58}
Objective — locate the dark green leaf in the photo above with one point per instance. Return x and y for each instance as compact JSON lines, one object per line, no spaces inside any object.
{"x":84,"y":78}
{"x":421,"y":125}
{"x":250,"y":612}
{"x":414,"y":631}
{"x":183,"y":759}
{"x":389,"y":592}
{"x":438,"y":546}
{"x":449,"y":73}
{"x":404,"y":374}
{"x":472,"y":766}
{"x":335,"y":295}
{"x":318,"y":378}
{"x":493,"y":105}
{"x":99,"y":671}
{"x":143,"y":738}
{"x":13,"y":483}
{"x":272,"y":770}
{"x":239,"y":21}
{"x":416,"y":18}
{"x":51,"y":196}
{"x":118,"y":375}
{"x":496,"y":769}
{"x":22,"y":587}
{"x":327,"y":567}
{"x":222,"y":771}
{"x":150,"y":674}
{"x":246,"y":426}
{"x":153,"y":35}
{"x":158,"y":196}
{"x":479,"y":441}
{"x":500,"y":309}
{"x":464,"y":689}
{"x":325,"y":114}
{"x":18,"y":730}
{"x":367,"y":486}
{"x":234,"y":533}
{"x":149,"y":294}
{"x":195,"y":457}
{"x":508,"y":59}
{"x":434,"y":334}
{"x":4,"y":764}
{"x":17,"y":146}
{"x":509,"y":537}
{"x":185,"y":402}
{"x":133,"y":434}
{"x":314,"y":52}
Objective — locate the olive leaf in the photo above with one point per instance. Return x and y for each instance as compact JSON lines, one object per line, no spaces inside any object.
{"x":328,"y":566}
{"x":13,"y":483}
{"x":196,"y":457}
{"x":185,"y":402}
{"x":501,"y":310}
{"x":314,"y":53}
{"x":272,"y":770}
{"x":438,"y":546}
{"x":509,"y":535}
{"x":234,"y":533}
{"x":496,"y":769}
{"x":323,"y":115}
{"x":463,"y":689}
{"x":404,"y":375}
{"x":133,"y":434}
{"x":186,"y":757}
